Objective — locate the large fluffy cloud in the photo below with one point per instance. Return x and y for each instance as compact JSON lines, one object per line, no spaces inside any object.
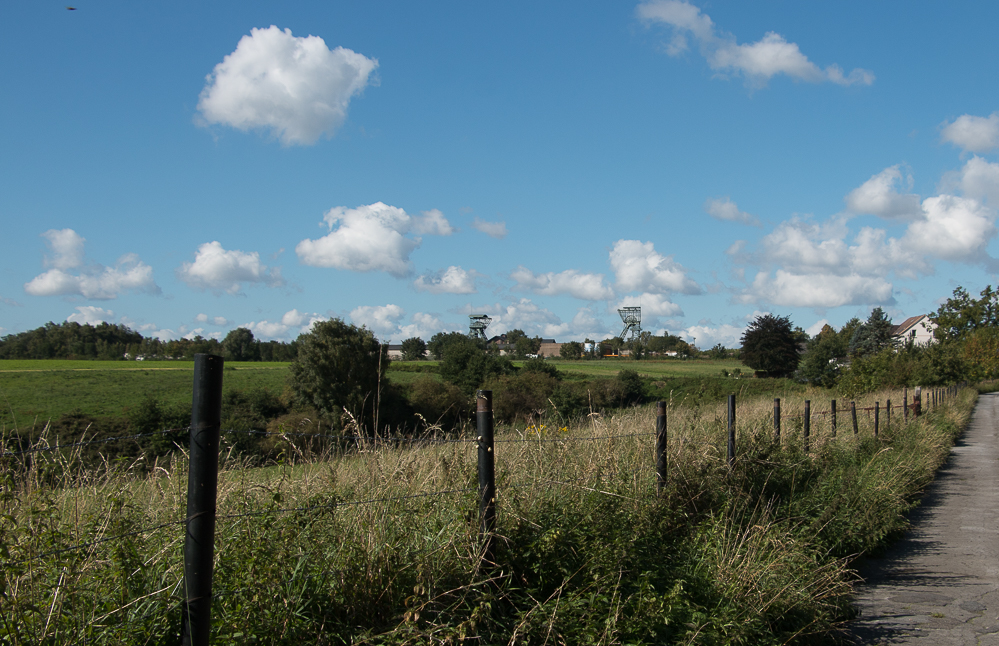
{"x":453,"y":280}
{"x":386,"y":321}
{"x":219,"y":270}
{"x":818,"y":290}
{"x":370,"y":238}
{"x":69,"y":276}
{"x":757,"y":62}
{"x":292,"y":323}
{"x":90,"y":315}
{"x":879,"y":196}
{"x":296,"y":86}
{"x":588,"y":287}
{"x":973,"y":134}
{"x":654,"y":306}
{"x":524,"y":315}
{"x":639,"y":267}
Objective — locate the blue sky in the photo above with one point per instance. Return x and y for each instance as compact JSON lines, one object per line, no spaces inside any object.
{"x":188,"y":169}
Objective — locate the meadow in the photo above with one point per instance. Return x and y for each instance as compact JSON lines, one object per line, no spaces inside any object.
{"x":33,"y":392}
{"x":379,"y":544}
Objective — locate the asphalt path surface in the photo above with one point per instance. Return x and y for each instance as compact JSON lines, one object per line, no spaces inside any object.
{"x":940,"y":583}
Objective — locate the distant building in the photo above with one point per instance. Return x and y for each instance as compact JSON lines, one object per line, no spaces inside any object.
{"x":395,"y":351}
{"x":549,"y":348}
{"x":917,"y":330}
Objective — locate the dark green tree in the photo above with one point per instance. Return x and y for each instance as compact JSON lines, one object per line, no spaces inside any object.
{"x":961,"y":314}
{"x":819,"y":365}
{"x":439,"y":343}
{"x":873,"y":336}
{"x":571,"y":350}
{"x":414,"y":349}
{"x":239,"y":345}
{"x":339,"y":369}
{"x":769,"y":346}
{"x":466,"y":364}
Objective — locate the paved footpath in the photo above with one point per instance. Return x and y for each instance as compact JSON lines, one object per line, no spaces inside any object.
{"x":940,"y":584}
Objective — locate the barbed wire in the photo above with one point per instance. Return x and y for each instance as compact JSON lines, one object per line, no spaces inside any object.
{"x":568,"y":438}
{"x":354,"y":438}
{"x":106,"y":440}
{"x":346,"y":503}
{"x":98,"y":541}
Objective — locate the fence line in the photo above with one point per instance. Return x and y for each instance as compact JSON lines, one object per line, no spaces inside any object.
{"x":203,"y":474}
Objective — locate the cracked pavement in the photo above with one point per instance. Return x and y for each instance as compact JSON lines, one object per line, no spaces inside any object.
{"x":940,"y":584}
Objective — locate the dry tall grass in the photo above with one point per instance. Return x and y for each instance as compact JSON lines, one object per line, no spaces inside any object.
{"x":379,"y":544}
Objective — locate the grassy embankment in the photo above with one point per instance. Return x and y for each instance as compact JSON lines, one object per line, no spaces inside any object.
{"x":588,"y":553}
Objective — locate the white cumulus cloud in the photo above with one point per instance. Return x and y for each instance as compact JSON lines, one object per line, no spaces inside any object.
{"x":973,"y":134}
{"x":880,"y":196}
{"x":654,"y":306}
{"x":757,"y":62}
{"x":370,"y":238}
{"x":383,"y":320}
{"x":90,"y":315}
{"x":727,"y":210}
{"x":587,"y":287}
{"x":954,"y":228}
{"x":422,"y":325}
{"x":219,"y":270}
{"x":69,"y":276}
{"x":453,"y":280}
{"x":708,"y":336}
{"x":295,"y":86}
{"x":639,"y":267}
{"x":66,"y":246}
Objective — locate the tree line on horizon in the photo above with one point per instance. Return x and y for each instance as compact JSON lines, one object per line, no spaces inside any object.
{"x":115,"y":342}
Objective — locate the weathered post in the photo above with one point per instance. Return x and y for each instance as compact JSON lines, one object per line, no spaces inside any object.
{"x":202,"y":487}
{"x":905,"y":405}
{"x":853,"y":415}
{"x":888,"y":415}
{"x":807,"y":422}
{"x":877,"y":417}
{"x":660,"y":446}
{"x":777,"y":420}
{"x":917,"y":402}
{"x":731,"y":430}
{"x":832,"y":418}
{"x":487,"y":474}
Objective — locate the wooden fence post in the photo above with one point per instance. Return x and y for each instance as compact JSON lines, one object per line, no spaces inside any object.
{"x":832,"y":418}
{"x":487,"y":474}
{"x":905,"y":405}
{"x":877,"y":417}
{"x":202,"y":488}
{"x":853,"y":415}
{"x":806,"y":424}
{"x":731,"y":430}
{"x":660,"y":446}
{"x":777,"y":420}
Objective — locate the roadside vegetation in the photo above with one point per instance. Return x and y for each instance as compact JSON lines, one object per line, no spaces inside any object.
{"x":589,"y":551}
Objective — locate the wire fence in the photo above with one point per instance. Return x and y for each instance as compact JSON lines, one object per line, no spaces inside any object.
{"x":204,"y":438}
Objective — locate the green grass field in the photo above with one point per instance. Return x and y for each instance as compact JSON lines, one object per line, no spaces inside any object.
{"x":35,"y":391}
